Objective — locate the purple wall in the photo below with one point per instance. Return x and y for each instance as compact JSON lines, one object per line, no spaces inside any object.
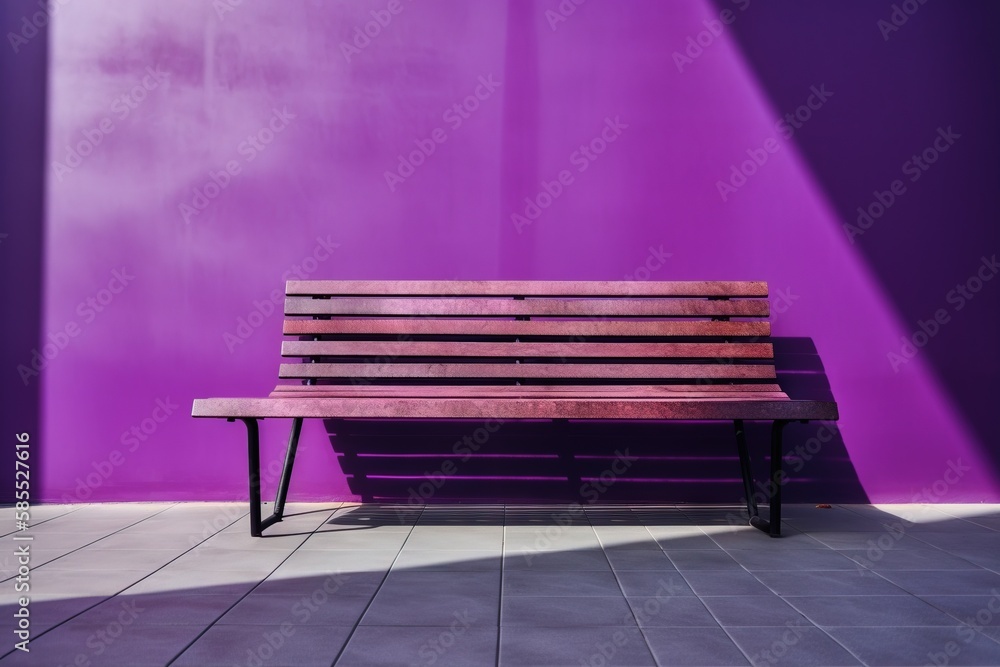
{"x":199,"y":159}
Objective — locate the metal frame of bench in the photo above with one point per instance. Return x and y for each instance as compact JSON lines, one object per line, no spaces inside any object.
{"x":351,"y":319}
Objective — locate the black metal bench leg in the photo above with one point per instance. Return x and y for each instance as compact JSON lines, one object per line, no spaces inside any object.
{"x":286,"y":469}
{"x":257,"y":524}
{"x":741,"y":447}
{"x":772,"y":526}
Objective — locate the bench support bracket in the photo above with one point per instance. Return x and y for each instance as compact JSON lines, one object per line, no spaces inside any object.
{"x":257,"y":524}
{"x":772,"y":525}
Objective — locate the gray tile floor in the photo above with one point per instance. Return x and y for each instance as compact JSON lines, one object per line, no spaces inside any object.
{"x":184,"y":584}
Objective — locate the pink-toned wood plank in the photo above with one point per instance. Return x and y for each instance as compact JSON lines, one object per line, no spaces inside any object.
{"x":584,"y":328}
{"x":523,"y":350}
{"x":538,"y":390}
{"x":491,"y":408}
{"x":555,"y":393}
{"x":490,"y":307}
{"x":534,"y":371}
{"x":721,"y":288}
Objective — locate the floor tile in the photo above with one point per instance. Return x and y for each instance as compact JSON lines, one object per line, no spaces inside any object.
{"x":832,"y":582}
{"x":436,"y":598}
{"x":447,"y":646}
{"x":281,"y":645}
{"x":318,"y":561}
{"x":691,"y":559}
{"x":725,"y":582}
{"x":354,"y":540}
{"x":854,"y":540}
{"x":319,"y":608}
{"x":909,"y":559}
{"x":755,"y":610}
{"x":636,"y":559}
{"x":475,"y":538}
{"x":800,"y":559}
{"x":79,"y":642}
{"x":701,"y":646}
{"x":565,"y":611}
{"x":919,"y":646}
{"x":587,"y":583}
{"x":447,"y":560}
{"x":793,"y":645}
{"x":591,"y":559}
{"x":943,"y":582}
{"x":558,"y":647}
{"x":672,"y":611}
{"x":653,"y":584}
{"x":162,"y":609}
{"x":869,"y":610}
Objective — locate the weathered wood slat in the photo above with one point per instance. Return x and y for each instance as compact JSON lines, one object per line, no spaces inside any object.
{"x":554,"y":393}
{"x":584,"y":288}
{"x":652,"y":390}
{"x":584,"y":328}
{"x":523,"y":350}
{"x":402,"y":408}
{"x":533,"y":371}
{"x":490,"y":307}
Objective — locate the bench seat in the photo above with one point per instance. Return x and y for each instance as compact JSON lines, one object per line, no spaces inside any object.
{"x":508,"y":350}
{"x":533,"y":402}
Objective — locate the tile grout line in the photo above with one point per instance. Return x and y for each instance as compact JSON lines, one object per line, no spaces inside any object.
{"x":614,"y":573}
{"x":51,"y":518}
{"x":252,"y":588}
{"x":106,"y":598}
{"x":88,"y":544}
{"x":361,"y":616}
{"x":84,"y":546}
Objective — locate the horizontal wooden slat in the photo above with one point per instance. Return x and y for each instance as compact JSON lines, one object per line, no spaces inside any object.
{"x":330,"y":391}
{"x":725,"y":288}
{"x":584,"y":328}
{"x":537,"y":390}
{"x":491,"y":408}
{"x":489,"y":307}
{"x":524,"y":350}
{"x":533,"y":371}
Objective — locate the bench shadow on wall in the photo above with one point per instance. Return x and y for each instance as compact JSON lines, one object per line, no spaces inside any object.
{"x":596,"y":462}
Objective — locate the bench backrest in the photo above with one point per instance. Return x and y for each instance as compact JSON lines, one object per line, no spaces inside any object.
{"x":527,"y":332}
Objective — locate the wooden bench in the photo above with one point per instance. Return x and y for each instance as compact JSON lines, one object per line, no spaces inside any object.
{"x":525,"y":350}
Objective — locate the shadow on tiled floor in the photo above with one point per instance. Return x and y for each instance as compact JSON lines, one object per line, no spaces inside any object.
{"x":184,"y":584}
